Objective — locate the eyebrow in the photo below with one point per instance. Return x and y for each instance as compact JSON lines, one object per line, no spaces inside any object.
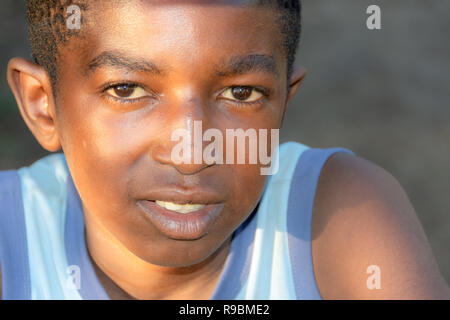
{"x":242,"y":64}
{"x":111,"y":59}
{"x":235,"y":65}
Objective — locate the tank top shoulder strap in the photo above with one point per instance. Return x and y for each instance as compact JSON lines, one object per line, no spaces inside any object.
{"x":269,"y":274}
{"x":13,"y":241}
{"x":44,"y":193}
{"x":299,"y":216}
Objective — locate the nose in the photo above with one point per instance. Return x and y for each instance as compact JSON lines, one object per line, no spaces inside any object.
{"x":181,"y":145}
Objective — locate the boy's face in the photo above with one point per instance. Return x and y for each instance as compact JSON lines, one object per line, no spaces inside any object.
{"x":164,"y":62}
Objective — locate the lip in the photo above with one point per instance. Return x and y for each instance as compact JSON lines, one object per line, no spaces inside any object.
{"x":183,"y":196}
{"x":180,"y":226}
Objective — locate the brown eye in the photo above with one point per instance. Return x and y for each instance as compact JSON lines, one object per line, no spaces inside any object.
{"x":241,"y":93}
{"x":124,"y":90}
{"x":127,"y":92}
{"x":244,"y":94}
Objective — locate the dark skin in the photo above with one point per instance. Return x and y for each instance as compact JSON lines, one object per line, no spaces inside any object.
{"x":118,"y":151}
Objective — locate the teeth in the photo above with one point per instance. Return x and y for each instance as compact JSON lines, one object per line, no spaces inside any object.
{"x":181,"y":208}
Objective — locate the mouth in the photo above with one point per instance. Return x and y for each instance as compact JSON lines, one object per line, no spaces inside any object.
{"x":181,"y":221}
{"x":180,"y":208}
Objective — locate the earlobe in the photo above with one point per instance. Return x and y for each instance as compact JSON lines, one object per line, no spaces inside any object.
{"x":298,"y":74}
{"x":32,"y":89}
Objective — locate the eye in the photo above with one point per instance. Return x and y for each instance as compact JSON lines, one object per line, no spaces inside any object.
{"x":243,"y":94}
{"x":126,"y":91}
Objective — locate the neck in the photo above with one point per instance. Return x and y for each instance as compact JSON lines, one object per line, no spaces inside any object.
{"x":126,"y":276}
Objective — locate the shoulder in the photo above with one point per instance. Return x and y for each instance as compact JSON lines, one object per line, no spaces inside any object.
{"x":31,"y":185}
{"x":363,"y":222}
{"x":6,"y":187}
{"x":9,"y":184}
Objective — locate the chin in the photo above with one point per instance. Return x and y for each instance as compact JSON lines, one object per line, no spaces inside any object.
{"x":178,"y":253}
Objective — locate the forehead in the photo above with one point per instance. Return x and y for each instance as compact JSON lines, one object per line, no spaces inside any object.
{"x":185,"y":31}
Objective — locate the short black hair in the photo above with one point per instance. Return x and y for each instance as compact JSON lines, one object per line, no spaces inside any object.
{"x":47,"y":30}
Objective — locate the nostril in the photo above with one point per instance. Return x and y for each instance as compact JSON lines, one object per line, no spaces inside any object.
{"x":163,"y":155}
{"x":190,"y":169}
{"x":159,"y":154}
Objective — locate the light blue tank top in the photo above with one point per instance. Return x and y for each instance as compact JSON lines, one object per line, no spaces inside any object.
{"x":43,"y":253}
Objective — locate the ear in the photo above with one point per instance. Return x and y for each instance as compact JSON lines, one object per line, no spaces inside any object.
{"x":298,"y":74}
{"x":32,"y":89}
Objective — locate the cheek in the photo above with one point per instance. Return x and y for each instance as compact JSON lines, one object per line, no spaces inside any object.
{"x":97,"y":141}
{"x":98,"y":155}
{"x":247,"y":187}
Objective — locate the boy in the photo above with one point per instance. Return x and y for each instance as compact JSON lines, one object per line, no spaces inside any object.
{"x":116,"y":217}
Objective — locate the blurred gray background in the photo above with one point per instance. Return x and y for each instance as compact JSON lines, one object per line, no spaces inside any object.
{"x":383,"y":94}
